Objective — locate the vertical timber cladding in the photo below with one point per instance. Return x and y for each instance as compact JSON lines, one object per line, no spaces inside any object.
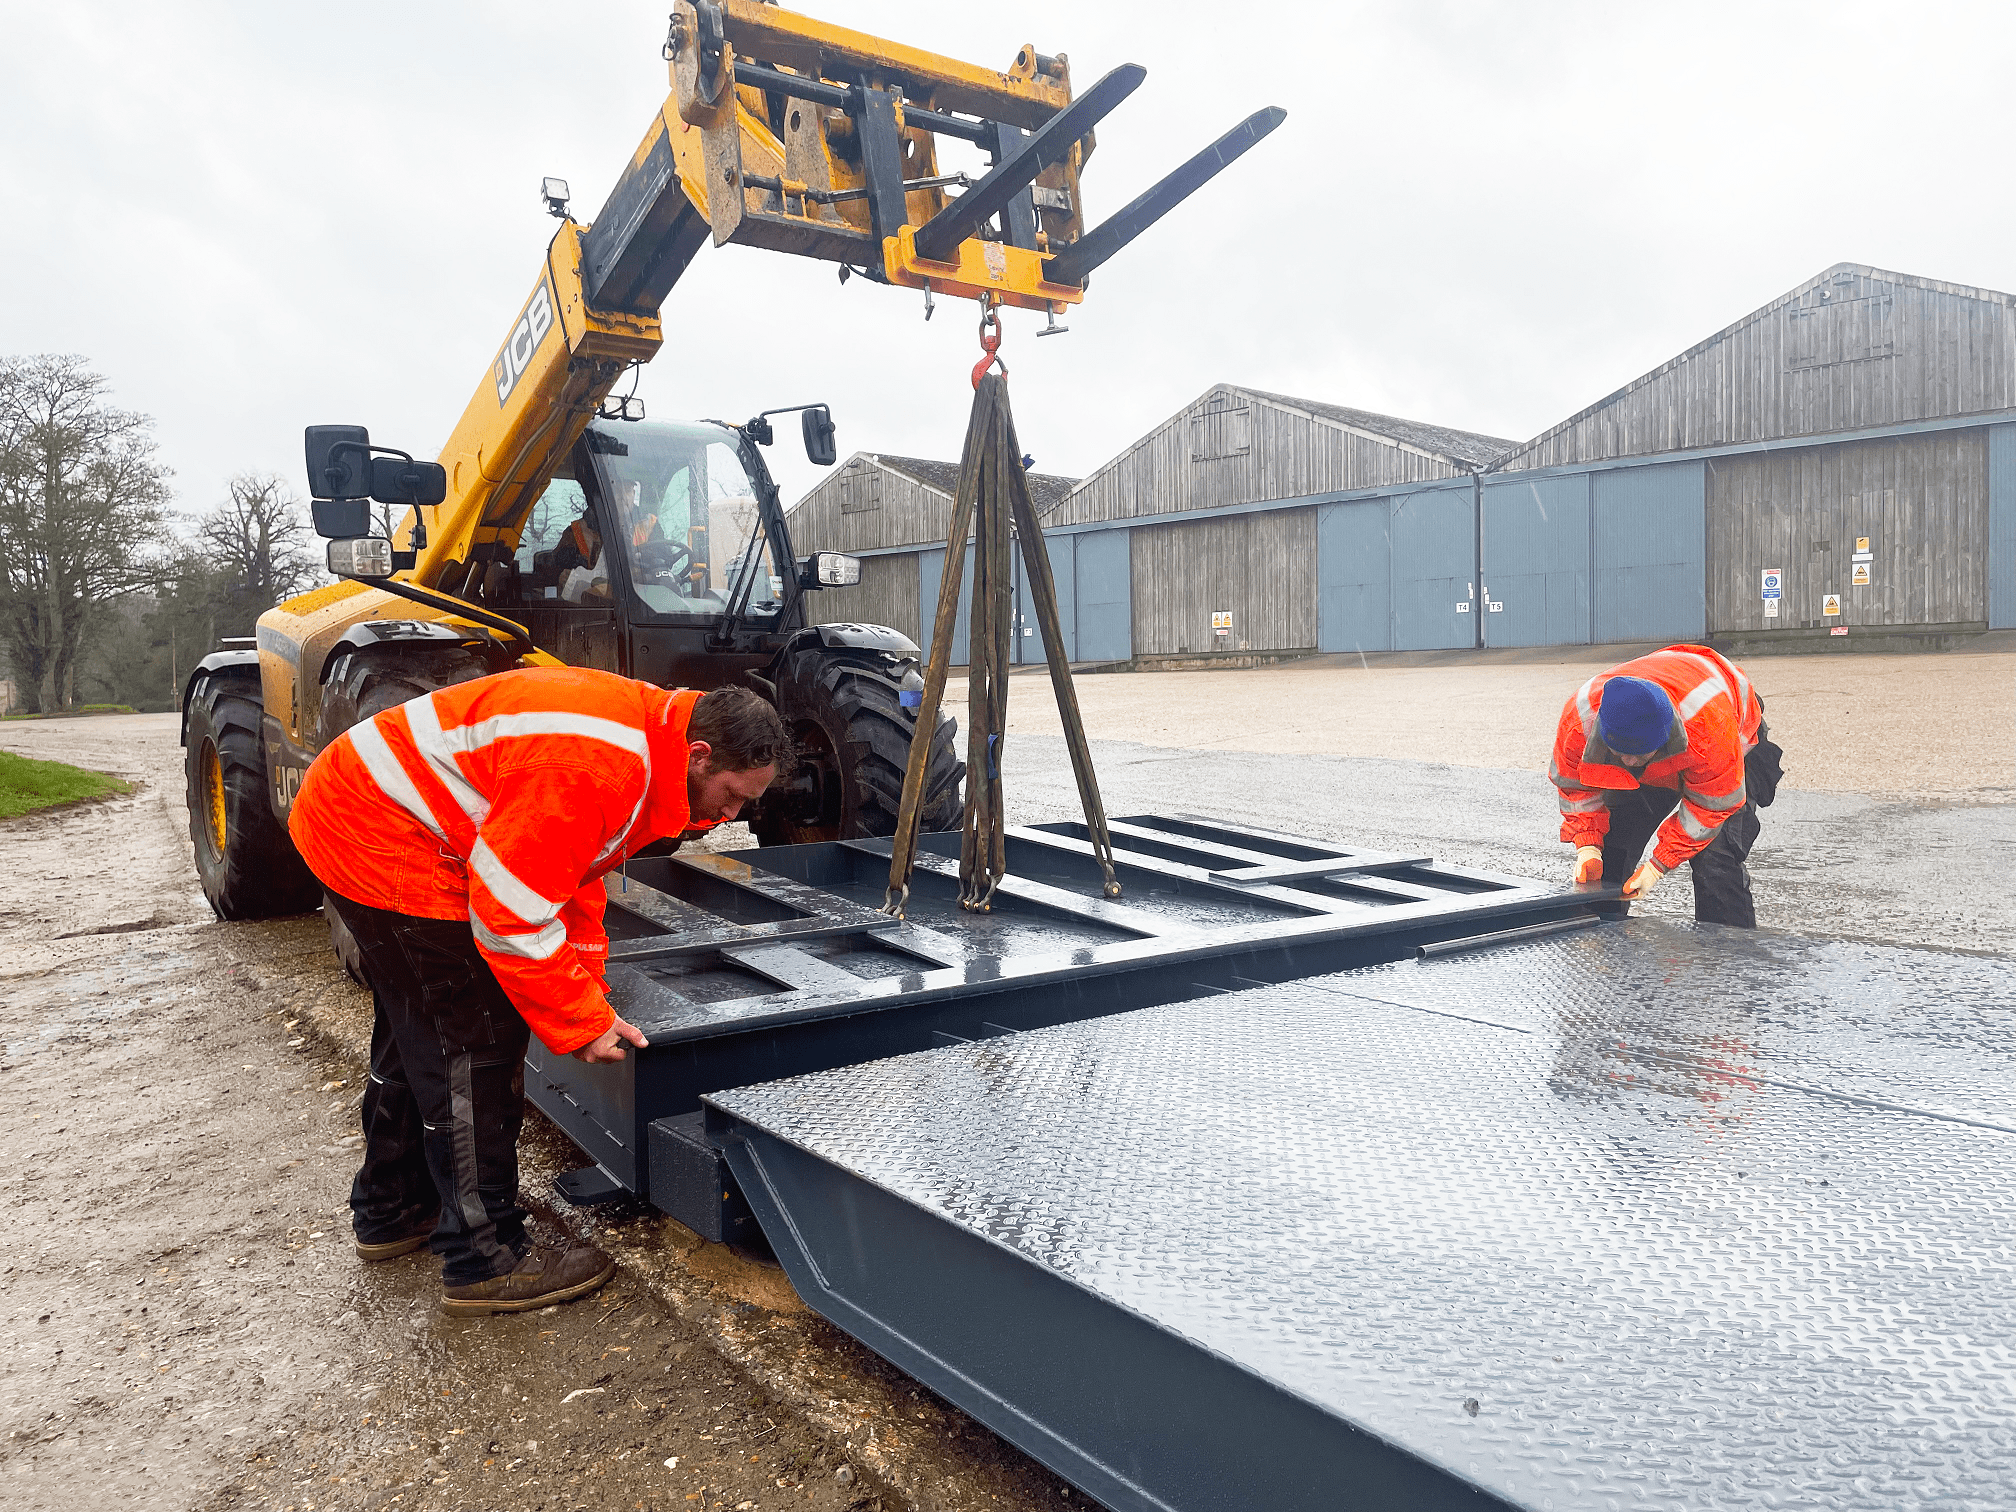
{"x":1852,"y":348}
{"x":888,"y":594}
{"x":1921,"y":500}
{"x":1260,"y":567}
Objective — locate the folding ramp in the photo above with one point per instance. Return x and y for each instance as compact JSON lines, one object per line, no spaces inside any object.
{"x":1645,"y":1216}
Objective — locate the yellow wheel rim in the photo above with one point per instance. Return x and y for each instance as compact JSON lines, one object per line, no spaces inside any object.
{"x":213,"y":793}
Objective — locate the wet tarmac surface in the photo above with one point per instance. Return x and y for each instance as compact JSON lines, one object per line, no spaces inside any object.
{"x":1840,"y":865}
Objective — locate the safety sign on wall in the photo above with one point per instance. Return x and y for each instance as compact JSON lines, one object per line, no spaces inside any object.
{"x":1861,"y":543}
{"x":1774,"y":583}
{"x":1861,"y":577}
{"x":1221,"y":621}
{"x":1831,"y":604}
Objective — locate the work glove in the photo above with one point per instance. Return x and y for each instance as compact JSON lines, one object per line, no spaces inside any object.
{"x":1588,"y":864}
{"x":1643,"y":881}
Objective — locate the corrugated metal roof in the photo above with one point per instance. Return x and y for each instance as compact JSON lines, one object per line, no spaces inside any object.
{"x":1467,"y":447}
{"x":1046,"y":490}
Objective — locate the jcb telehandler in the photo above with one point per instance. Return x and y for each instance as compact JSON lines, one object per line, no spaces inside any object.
{"x":559,"y":526}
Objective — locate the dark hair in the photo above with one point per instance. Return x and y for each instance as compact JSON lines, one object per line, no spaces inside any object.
{"x":742,"y":729}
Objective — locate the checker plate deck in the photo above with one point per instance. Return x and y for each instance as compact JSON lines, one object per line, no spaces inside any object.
{"x":1650,"y":1216}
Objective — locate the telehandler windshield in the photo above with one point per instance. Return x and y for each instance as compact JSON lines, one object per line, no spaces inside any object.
{"x":675,"y":504}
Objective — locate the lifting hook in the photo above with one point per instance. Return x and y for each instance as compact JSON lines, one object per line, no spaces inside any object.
{"x":990,"y":343}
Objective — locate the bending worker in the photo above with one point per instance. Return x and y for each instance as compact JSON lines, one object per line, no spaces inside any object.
{"x":1676,"y":743}
{"x":463,"y":838}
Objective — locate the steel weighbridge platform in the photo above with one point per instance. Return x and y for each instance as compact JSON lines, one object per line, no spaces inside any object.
{"x":1639,"y":1215}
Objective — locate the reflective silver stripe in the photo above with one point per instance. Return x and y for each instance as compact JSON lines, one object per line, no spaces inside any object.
{"x":1589,"y":805}
{"x":1694,"y":828}
{"x":541,"y":946}
{"x":1733,"y":800}
{"x":616,"y":840}
{"x":467,"y":1172}
{"x":368,"y":741}
{"x":437,"y":749}
{"x":1586,"y":707}
{"x":472,"y":737}
{"x":528,"y":905}
{"x":1719,"y":681}
{"x":1693,"y":702}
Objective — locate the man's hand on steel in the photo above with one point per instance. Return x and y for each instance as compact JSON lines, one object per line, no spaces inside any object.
{"x":1588,"y":864}
{"x":1643,"y":881}
{"x":610,"y":1046}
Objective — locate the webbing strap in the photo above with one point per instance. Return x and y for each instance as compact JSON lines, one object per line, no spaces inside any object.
{"x":993,"y":502}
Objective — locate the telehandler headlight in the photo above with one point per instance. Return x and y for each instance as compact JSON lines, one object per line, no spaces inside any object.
{"x":361,"y":557}
{"x":554,"y":192}
{"x":829,"y":569}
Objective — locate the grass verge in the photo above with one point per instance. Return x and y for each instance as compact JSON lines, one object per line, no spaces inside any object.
{"x":26,"y":785}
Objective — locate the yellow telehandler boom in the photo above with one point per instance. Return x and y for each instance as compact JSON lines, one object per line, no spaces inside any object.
{"x":801,"y":137}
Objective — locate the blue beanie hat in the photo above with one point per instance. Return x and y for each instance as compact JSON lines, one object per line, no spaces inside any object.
{"x":1636,"y":716}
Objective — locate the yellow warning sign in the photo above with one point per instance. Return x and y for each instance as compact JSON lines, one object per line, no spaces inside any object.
{"x":1831,"y":604}
{"x":1861,"y":579}
{"x":1861,"y":543}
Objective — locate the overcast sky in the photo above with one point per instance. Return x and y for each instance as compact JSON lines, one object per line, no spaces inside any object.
{"x":253,"y":217}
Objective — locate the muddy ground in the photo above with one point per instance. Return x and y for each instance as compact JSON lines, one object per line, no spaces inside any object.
{"x":184,"y":1325}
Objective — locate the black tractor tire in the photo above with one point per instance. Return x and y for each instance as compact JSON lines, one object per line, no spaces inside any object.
{"x":248,"y":865}
{"x":846,"y":714}
{"x":369,"y":681}
{"x":365,"y":682}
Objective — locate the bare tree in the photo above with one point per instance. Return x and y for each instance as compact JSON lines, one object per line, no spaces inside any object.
{"x":81,"y":496}
{"x":257,"y":542}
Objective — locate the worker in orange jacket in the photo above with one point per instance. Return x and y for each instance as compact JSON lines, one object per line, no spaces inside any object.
{"x":1673,"y":743}
{"x":463,"y":837}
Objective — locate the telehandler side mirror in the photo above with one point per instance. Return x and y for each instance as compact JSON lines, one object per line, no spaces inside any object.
{"x":339,"y":461}
{"x":401,"y":480}
{"x":341,"y":518}
{"x":817,"y":423}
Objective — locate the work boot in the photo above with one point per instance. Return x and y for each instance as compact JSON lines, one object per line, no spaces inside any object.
{"x":404,"y":1244}
{"x":547,"y":1274}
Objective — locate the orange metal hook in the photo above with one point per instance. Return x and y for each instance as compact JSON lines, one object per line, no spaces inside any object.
{"x":990,"y":344}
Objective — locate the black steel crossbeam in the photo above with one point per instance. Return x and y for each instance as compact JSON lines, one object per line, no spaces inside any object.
{"x":938,"y":238}
{"x":1288,"y":871}
{"x":773,"y":963}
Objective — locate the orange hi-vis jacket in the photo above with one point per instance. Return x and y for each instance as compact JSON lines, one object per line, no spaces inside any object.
{"x":505,"y":801}
{"x":1719,"y":719}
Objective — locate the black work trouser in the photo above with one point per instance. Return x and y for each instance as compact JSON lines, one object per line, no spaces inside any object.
{"x":1721,"y":879}
{"x":446,"y":1095}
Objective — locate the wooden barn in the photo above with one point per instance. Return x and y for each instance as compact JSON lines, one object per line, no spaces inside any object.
{"x":1842,"y":460}
{"x":1247,"y":523}
{"x":893,"y":513}
{"x":1855,"y":439}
